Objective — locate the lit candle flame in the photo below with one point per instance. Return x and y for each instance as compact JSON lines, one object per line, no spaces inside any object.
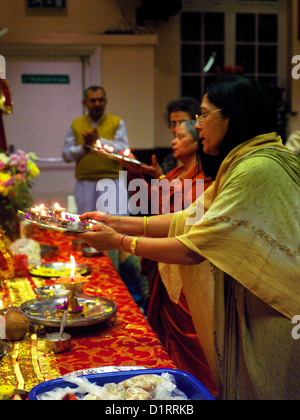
{"x":63,"y":215}
{"x":99,"y":144}
{"x":1,"y":304}
{"x":57,"y":206}
{"x":38,"y":209}
{"x":111,"y":149}
{"x":73,"y":265}
{"x":127,"y":152}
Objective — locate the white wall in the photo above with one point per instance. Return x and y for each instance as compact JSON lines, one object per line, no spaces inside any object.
{"x":128,"y":76}
{"x":42,"y":112}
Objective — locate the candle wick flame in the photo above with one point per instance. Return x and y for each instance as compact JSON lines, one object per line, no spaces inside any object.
{"x":127,"y":152}
{"x":72,"y":275}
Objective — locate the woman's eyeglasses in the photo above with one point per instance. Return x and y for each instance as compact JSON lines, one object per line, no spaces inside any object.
{"x":201,"y":118}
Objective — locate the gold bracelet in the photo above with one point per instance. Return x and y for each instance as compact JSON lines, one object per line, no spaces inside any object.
{"x":146,"y":226}
{"x":133,"y":246}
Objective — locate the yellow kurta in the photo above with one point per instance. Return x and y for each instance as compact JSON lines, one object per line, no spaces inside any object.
{"x":93,"y":167}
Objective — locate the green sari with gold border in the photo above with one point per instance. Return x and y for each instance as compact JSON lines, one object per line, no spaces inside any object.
{"x":245,"y":294}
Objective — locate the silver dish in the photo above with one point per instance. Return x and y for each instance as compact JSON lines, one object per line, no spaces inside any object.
{"x":48,"y":292}
{"x":91,"y":252}
{"x":56,"y":344}
{"x":35,"y":310}
{"x":73,"y":224}
{"x":57,"y":268}
{"x":115,"y":157}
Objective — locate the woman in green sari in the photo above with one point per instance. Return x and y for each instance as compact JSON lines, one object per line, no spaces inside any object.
{"x":235,"y":251}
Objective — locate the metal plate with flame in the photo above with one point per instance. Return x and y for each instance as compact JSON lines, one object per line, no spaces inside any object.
{"x":99,"y":310}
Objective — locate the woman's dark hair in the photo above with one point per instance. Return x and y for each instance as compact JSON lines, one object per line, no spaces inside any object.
{"x":186,"y":104}
{"x":251,"y":110}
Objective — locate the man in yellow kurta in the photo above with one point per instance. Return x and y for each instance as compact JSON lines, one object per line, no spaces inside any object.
{"x":92,"y":168}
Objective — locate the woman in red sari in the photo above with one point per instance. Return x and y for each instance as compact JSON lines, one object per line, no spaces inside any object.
{"x":172,"y":322}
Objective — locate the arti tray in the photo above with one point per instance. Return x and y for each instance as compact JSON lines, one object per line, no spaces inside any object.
{"x":115,"y":156}
{"x":35,"y":309}
{"x":57,"y":270}
{"x":72,"y":223}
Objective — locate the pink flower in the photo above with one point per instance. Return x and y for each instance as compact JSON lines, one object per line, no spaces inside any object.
{"x":22,"y":167}
{"x":9,"y":183}
{"x":18,"y":159}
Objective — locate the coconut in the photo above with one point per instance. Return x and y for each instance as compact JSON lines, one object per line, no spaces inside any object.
{"x":17,"y":325}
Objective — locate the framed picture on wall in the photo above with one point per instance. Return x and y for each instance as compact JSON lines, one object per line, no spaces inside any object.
{"x":46,"y":4}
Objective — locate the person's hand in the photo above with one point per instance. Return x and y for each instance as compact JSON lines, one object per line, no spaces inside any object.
{"x":131,"y":156}
{"x":102,"y":238}
{"x":90,"y":137}
{"x":134,"y":169}
{"x":100,"y":217}
{"x":153,"y":170}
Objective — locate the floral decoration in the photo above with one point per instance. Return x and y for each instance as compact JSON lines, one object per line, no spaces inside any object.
{"x":17,"y":172}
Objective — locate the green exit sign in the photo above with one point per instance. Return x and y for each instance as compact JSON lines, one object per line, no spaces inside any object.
{"x":45,"y":79}
{"x":47,"y":4}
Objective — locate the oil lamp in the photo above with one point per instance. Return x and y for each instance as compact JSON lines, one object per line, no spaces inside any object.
{"x":73,"y":283}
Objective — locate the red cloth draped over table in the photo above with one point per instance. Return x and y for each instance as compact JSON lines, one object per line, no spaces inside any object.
{"x":129,"y":342}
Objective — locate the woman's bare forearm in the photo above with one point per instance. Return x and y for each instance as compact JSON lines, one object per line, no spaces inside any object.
{"x":165,"y":250}
{"x":169,"y":250}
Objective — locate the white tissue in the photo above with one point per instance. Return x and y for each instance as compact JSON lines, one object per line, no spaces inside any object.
{"x":28,"y":247}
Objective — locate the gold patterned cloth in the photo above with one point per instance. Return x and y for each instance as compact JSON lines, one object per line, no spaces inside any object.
{"x":29,"y":362}
{"x":127,"y":340}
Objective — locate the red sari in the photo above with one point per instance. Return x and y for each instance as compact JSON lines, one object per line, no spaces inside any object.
{"x":173,"y":322}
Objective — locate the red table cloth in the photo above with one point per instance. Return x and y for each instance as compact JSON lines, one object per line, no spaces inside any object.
{"x":129,"y":341}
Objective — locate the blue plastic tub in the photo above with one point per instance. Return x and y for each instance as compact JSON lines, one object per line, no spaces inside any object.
{"x":185,"y":382}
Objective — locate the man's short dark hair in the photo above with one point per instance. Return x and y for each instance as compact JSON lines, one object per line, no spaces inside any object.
{"x":94,"y":88}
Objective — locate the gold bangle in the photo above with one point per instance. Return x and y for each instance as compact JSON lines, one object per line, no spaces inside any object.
{"x":133,"y":246}
{"x":146,"y":226}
